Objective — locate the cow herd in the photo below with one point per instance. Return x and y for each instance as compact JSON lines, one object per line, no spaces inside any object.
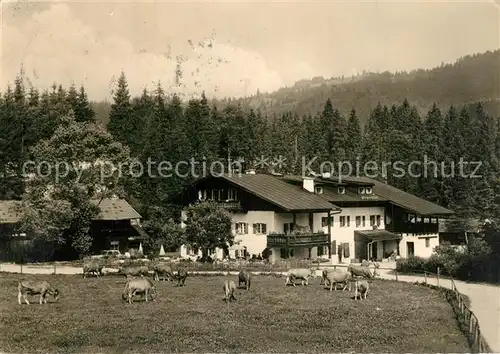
{"x":360,"y":275}
{"x":138,"y":284}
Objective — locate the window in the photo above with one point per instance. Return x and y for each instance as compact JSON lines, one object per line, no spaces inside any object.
{"x":288,"y":227}
{"x":220,"y":193}
{"x":341,"y":190}
{"x":319,"y":190}
{"x":231,"y":194}
{"x":427,"y":242}
{"x":361,"y":190}
{"x":345,"y":221}
{"x":241,"y":228}
{"x":369,"y":190}
{"x":259,"y":228}
{"x":363,"y":221}
{"x":320,"y":251}
{"x":282,"y":253}
{"x":358,"y":221}
{"x":212,"y":194}
{"x":372,"y":220}
{"x":378,"y":220}
{"x":324,"y":221}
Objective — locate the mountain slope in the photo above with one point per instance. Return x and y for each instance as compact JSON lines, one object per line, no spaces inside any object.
{"x":473,"y":78}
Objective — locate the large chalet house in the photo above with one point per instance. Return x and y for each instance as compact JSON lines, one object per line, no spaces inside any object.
{"x":318,"y":217}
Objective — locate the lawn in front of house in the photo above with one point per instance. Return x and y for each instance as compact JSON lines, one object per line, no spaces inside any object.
{"x":90,"y":316}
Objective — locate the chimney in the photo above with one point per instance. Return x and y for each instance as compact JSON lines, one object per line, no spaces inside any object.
{"x":308,"y":184}
{"x":250,"y":172}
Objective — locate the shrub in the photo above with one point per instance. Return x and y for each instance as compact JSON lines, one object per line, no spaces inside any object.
{"x":410,"y":264}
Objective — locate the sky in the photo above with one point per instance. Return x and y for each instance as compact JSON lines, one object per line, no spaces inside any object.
{"x":233,"y":48}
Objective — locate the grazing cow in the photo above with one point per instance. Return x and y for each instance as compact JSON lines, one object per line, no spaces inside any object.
{"x":337,"y":276}
{"x":303,"y":274}
{"x":135,"y":271}
{"x":138,"y":286}
{"x":92,"y":266}
{"x":43,"y":288}
{"x":181,"y":277}
{"x":162,"y":271}
{"x":244,"y":277}
{"x":229,"y":289}
{"x":362,"y":287}
{"x":363,"y":271}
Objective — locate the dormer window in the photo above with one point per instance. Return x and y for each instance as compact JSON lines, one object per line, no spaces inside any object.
{"x":341,"y":190}
{"x":319,"y":190}
{"x":361,"y":190}
{"x":369,"y":190}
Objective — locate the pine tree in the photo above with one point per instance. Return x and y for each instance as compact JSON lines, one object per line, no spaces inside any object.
{"x":119,"y":116}
{"x":432,"y":182}
{"x":83,"y":110}
{"x":353,"y":141}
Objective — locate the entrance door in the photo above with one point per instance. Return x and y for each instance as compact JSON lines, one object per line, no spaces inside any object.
{"x":374,"y":255}
{"x":410,"y":249}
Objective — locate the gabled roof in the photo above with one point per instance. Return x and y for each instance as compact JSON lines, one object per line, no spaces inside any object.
{"x":111,"y":209}
{"x":406,"y":200}
{"x":116,"y":209}
{"x":386,"y":192}
{"x":278,"y":192}
{"x":331,"y":194}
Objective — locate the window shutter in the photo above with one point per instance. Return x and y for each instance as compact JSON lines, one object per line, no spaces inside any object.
{"x":254,"y":226}
{"x":346,"y":250}
{"x":264,"y":228}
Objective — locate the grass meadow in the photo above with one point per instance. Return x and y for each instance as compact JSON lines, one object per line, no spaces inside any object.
{"x":91,"y":317}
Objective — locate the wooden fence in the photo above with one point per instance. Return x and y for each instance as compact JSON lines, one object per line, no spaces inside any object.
{"x":468,"y":321}
{"x":477,"y":342}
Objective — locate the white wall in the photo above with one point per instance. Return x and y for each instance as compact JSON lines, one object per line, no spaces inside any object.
{"x":257,"y":243}
{"x":419,"y":245}
{"x":346,"y":234}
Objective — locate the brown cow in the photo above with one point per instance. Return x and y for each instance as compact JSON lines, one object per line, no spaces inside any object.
{"x":43,"y":288}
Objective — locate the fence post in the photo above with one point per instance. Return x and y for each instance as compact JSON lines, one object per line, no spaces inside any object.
{"x":55,"y":268}
{"x":425,"y":275}
{"x":21,"y":268}
{"x":396,"y":274}
{"x":438,"y":272}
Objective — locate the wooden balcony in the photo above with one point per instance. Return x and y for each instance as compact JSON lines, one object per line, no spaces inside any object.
{"x":297,"y":240}
{"x":413,"y":228}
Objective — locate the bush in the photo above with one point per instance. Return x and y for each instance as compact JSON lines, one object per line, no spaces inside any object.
{"x":411,"y":264}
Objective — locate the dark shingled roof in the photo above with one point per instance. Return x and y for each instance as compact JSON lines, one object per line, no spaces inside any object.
{"x":385,"y":192}
{"x":278,"y":192}
{"x":406,"y":200}
{"x":111,"y":209}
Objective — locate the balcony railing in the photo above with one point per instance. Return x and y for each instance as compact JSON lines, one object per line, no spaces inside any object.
{"x":234,"y":205}
{"x":297,"y":240}
{"x":413,"y":228}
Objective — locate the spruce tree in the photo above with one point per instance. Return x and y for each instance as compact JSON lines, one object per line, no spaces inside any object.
{"x":119,"y":116}
{"x":353,"y":135}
